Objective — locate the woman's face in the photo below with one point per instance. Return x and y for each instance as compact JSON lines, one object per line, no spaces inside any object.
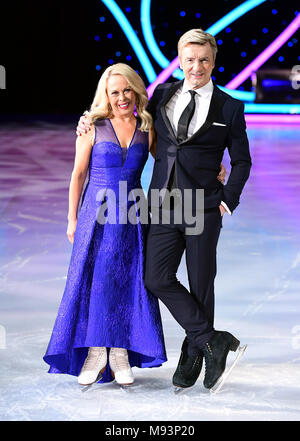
{"x":120,"y":96}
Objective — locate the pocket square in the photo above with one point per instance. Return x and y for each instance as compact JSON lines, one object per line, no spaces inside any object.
{"x":219,"y":124}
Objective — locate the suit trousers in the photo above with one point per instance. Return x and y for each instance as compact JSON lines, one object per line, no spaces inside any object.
{"x":193,"y":309}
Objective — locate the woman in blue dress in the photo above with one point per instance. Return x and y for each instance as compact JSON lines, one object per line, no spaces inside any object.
{"x":107,"y":321}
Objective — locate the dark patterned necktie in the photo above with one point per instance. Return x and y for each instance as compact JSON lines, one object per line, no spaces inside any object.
{"x":185,"y":118}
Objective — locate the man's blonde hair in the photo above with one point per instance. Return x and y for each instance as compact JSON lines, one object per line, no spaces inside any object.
{"x":197,"y":36}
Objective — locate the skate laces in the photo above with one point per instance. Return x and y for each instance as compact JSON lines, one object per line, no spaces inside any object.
{"x":119,"y":356}
{"x":208,"y":355}
{"x":93,"y":356}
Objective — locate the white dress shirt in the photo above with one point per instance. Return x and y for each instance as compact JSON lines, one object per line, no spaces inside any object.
{"x":181,"y":99}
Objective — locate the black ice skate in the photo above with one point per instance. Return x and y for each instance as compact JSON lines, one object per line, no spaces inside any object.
{"x":188,"y":369}
{"x":215,"y":353}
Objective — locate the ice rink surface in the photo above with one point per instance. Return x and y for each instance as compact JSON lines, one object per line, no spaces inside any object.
{"x":257,"y":290}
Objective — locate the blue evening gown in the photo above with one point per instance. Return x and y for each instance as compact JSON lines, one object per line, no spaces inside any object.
{"x":105,"y":302}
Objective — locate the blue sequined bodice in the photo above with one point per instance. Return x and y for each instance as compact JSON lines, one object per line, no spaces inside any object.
{"x":110,"y":163}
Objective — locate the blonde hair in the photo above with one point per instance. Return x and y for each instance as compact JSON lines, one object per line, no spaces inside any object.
{"x":198,"y":36}
{"x":101,"y":108}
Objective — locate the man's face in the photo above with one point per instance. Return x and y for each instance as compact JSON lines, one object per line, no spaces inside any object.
{"x":197,"y":63}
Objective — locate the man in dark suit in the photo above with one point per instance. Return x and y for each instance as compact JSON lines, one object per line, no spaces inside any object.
{"x":195,"y":121}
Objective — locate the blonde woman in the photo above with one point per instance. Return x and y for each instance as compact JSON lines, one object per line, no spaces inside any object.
{"x":107,"y":321}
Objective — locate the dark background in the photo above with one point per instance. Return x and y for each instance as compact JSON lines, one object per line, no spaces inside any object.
{"x":51,"y":50}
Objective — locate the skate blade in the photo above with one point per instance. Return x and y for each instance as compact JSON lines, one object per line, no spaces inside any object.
{"x":181,"y":390}
{"x":89,"y":386}
{"x":125,"y":387}
{"x":226,"y":374}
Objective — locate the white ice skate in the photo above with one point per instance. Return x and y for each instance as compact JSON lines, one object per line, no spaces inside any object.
{"x":120,"y":367}
{"x":93,"y":367}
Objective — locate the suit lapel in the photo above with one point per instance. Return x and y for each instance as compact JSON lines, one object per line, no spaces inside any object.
{"x":170,"y":92}
{"x":216,"y":104}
